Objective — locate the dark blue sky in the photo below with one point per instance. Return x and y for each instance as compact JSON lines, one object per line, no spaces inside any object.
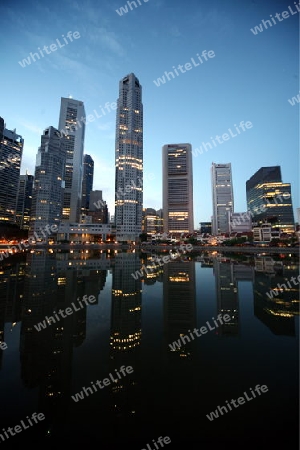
{"x":250,"y":78}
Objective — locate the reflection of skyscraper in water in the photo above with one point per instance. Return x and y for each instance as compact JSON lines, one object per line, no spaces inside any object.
{"x":227,"y":298}
{"x":227,"y":276}
{"x":12,"y":276}
{"x":268,"y":265}
{"x":39,"y":301}
{"x":73,"y":285}
{"x":94,"y":281}
{"x":70,"y":288}
{"x":126,"y":330}
{"x":277,"y":313}
{"x":178,"y":375}
{"x":153,"y":270}
{"x":46,"y":355}
{"x":179,"y":304}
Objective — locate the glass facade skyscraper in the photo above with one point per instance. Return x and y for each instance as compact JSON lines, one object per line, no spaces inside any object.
{"x":11,"y":150}
{"x":87,"y":182}
{"x":48,"y":181}
{"x":269,"y":199}
{"x":129,"y":160}
{"x":24,"y":201}
{"x":222,"y":196}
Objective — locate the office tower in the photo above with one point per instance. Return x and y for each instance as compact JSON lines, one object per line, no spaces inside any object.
{"x":11,"y":149}
{"x":222,"y":196}
{"x":205,"y":227}
{"x":150,"y":220}
{"x":48,"y":182}
{"x":24,"y":201}
{"x":98,"y":208}
{"x":1,"y":128}
{"x":72,"y":128}
{"x":159,"y":221}
{"x":270,"y":200}
{"x":129,"y":160}
{"x":87,"y":182}
{"x":177,"y":188}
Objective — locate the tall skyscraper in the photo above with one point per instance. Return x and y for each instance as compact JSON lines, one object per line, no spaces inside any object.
{"x":1,"y":128}
{"x":270,"y":200}
{"x":87,"y":182}
{"x":24,"y":201}
{"x":129,"y":160}
{"x":72,"y":127}
{"x":222,"y":197}
{"x":177,"y":188}
{"x":48,"y":181}
{"x":11,"y":150}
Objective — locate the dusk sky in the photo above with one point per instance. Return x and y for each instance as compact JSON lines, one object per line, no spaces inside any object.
{"x":250,"y":78}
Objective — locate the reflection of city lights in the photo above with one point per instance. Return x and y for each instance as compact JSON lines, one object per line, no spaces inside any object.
{"x":280,"y":314}
{"x":179,"y":279}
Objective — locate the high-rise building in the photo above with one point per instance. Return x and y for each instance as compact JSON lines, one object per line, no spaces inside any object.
{"x":129,"y":160}
{"x":177,"y":188}
{"x":150,"y":221}
{"x":1,"y":128}
{"x":87,"y":182}
{"x":24,"y":201}
{"x":159,"y":221}
{"x":270,"y":200}
{"x":222,"y":197}
{"x":98,"y":209}
{"x":72,"y":128}
{"x":48,"y":181}
{"x":11,"y":150}
{"x":205,"y":227}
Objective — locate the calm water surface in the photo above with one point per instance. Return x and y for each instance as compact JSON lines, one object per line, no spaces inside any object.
{"x":132,"y":323}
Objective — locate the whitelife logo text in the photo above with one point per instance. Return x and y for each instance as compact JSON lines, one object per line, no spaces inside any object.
{"x":236,"y":403}
{"x":53,"y":47}
{"x":187,"y":66}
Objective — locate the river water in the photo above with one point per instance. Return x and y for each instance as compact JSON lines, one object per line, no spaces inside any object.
{"x":133,"y":322}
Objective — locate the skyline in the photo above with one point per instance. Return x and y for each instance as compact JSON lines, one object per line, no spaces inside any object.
{"x":249,"y":79}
